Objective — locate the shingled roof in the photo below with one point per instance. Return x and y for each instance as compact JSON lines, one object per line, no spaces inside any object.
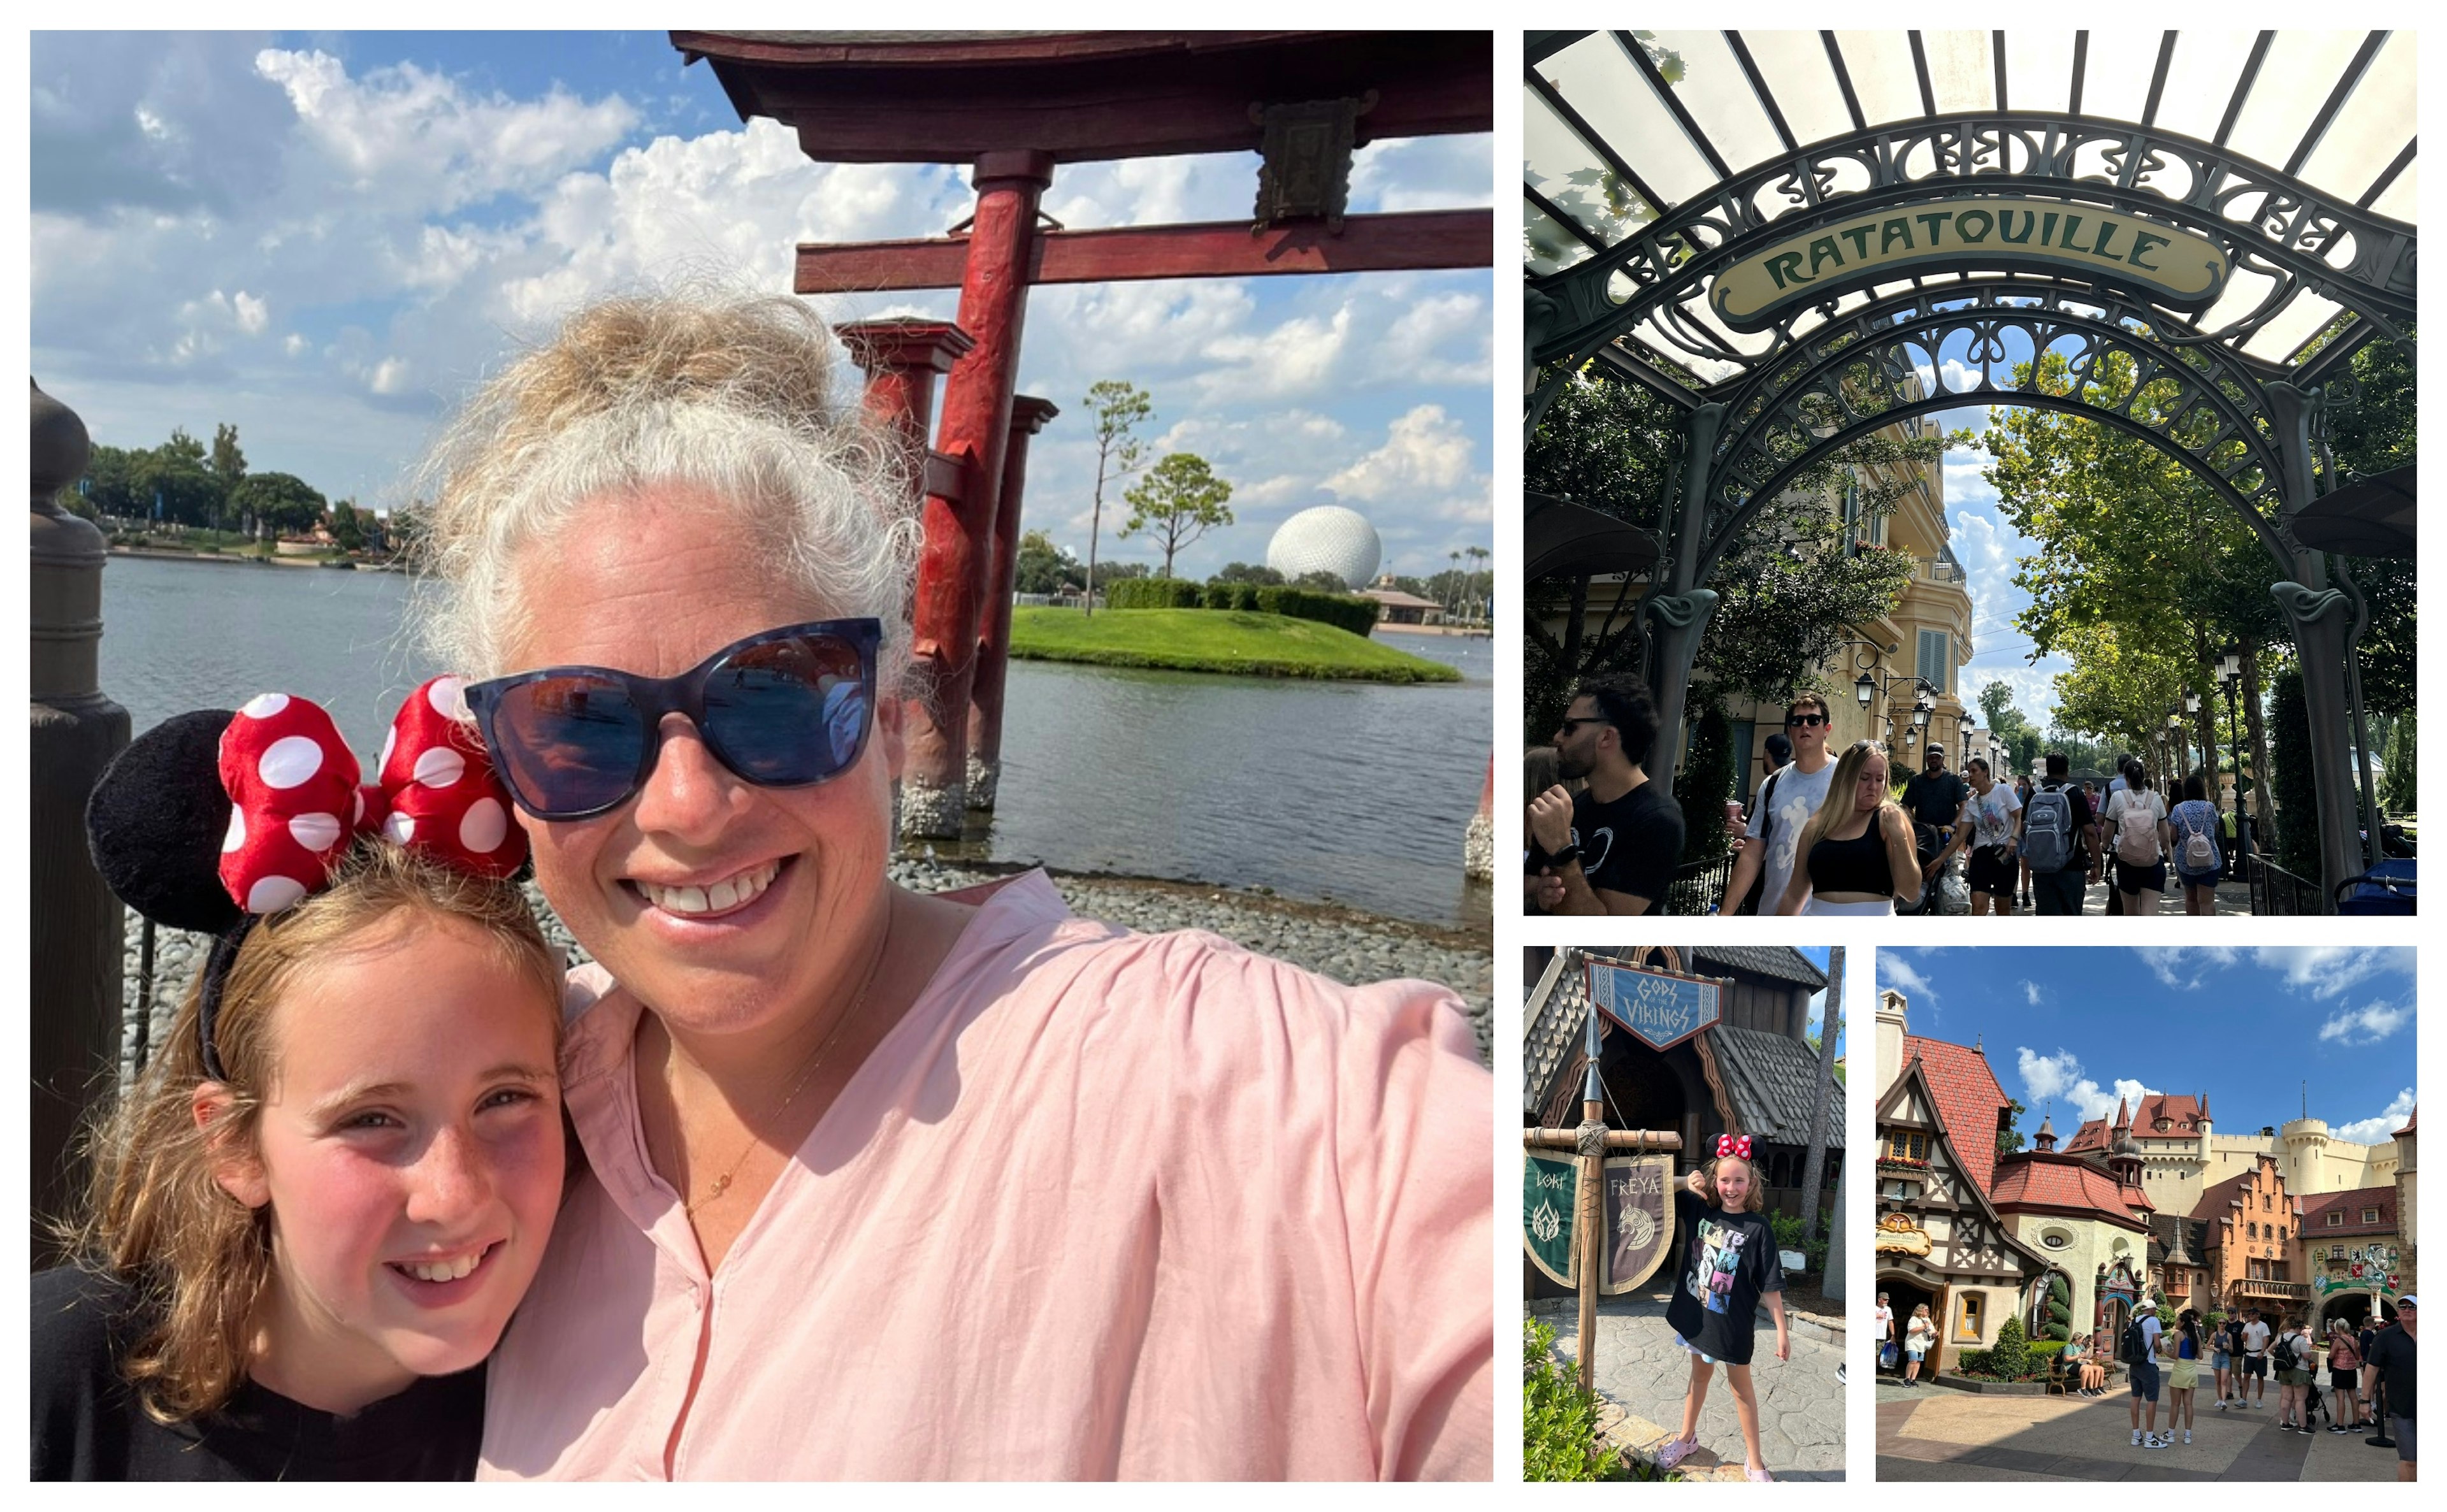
{"x":1772,"y":1084}
{"x":1782,"y":962}
{"x":2162,"y":1236}
{"x":1969,"y":1099}
{"x":2035,"y":1180}
{"x":2185,"y":1112}
{"x":2314,"y":1212}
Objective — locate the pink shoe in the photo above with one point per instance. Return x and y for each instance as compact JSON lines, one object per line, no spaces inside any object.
{"x":1755,"y":1475}
{"x":1676,"y":1451}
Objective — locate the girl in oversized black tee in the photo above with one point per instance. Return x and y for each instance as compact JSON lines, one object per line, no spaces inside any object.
{"x":1728,"y":1263}
{"x":312,"y":1215}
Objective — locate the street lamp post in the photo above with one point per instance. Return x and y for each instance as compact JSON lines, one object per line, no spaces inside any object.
{"x":1871,"y":688}
{"x":2230,"y":673}
{"x":2175,"y":749}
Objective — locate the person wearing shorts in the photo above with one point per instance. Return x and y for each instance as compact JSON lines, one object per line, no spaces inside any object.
{"x":2344,"y":1366}
{"x":2222,"y":1358}
{"x":2145,"y":1379}
{"x":2255,"y":1358}
{"x":1986,"y":830}
{"x":2390,"y":1358}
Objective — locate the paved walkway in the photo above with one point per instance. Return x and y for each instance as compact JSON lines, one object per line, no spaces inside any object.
{"x":1644,"y":1373}
{"x":1936,"y":1433}
{"x":2233,"y":899}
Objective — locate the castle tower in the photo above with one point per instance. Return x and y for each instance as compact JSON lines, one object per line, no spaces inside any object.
{"x":2045,"y":1139}
{"x":2305,"y":1142}
{"x":2406,"y":1217}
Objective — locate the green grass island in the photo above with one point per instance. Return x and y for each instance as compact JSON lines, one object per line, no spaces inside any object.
{"x":1209,"y":640}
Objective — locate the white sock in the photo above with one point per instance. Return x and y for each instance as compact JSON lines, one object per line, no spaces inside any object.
{"x":2137,"y":1435}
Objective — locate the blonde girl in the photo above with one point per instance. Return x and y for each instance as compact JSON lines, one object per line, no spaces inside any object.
{"x":1729,"y":1265}
{"x":1857,"y":854}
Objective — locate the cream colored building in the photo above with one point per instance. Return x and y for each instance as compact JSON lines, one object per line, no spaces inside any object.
{"x":2183,"y":1155}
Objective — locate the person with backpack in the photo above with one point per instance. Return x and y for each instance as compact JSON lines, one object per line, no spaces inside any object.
{"x":2057,"y":830}
{"x":2191,"y":840}
{"x":2022,"y":791}
{"x":1986,"y":832}
{"x":2291,"y":1360}
{"x":2136,"y":822}
{"x":1785,"y":798}
{"x":2138,"y":1350}
{"x":1934,"y":800}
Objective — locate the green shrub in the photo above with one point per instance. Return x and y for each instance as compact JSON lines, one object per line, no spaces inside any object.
{"x":1151,"y":592}
{"x":2011,"y":1357}
{"x":1558,"y":1419}
{"x":2060,"y":1308}
{"x":1788,"y":1236}
{"x":2041,"y":1351}
{"x":1344,"y":611}
{"x":1970,"y":1362}
{"x":1240,"y":595}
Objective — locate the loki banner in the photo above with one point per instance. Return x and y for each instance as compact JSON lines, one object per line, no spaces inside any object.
{"x":1550,"y":1196}
{"x":1638,"y":1217}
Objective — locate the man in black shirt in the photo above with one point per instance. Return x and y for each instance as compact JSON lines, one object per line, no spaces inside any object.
{"x":2391,"y":1360}
{"x":1612,"y":848}
{"x":2060,"y":889}
{"x":1934,"y":799}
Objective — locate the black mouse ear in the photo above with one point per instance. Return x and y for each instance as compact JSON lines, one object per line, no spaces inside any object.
{"x":156,"y":822}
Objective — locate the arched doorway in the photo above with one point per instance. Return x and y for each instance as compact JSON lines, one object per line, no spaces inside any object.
{"x":1790,"y":291}
{"x":1904,"y":1294}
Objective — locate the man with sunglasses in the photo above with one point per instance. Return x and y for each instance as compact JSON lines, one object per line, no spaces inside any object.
{"x":1612,"y":847}
{"x":1785,"y":798}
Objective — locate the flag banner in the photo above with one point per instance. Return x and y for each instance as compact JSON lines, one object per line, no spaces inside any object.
{"x":1661,"y":1008}
{"x":1639,"y":1219}
{"x":1550,"y":1196}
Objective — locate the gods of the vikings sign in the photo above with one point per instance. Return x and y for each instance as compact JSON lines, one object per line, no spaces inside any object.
{"x":1662,"y":1010}
{"x":2171,"y":264}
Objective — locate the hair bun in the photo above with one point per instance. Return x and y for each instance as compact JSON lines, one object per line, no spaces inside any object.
{"x":156,"y":820}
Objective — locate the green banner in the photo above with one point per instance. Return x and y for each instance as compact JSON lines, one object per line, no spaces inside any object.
{"x":1550,"y":1187}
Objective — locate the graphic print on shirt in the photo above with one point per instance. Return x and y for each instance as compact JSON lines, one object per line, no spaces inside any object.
{"x":1720,"y":1256}
{"x":1595,"y":849}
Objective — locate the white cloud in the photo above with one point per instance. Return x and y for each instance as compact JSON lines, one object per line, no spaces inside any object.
{"x":1905,"y":979}
{"x":2325,"y":971}
{"x":2185,"y":966}
{"x":2375,"y":1129}
{"x":2047,"y":1077}
{"x":253,"y":314}
{"x":2368,"y":1023}
{"x":2031,"y":992}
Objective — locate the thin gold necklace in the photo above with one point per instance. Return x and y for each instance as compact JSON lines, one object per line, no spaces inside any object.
{"x":722,"y":1182}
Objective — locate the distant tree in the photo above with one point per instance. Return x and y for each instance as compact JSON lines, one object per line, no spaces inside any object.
{"x":282,"y":504}
{"x":110,"y":483}
{"x":1240,"y":572}
{"x":174,"y":478}
{"x":2009,"y":1139}
{"x":1321,"y":583}
{"x":1180,"y":499}
{"x":346,"y":532}
{"x":186,"y":448}
{"x":1117,"y":408}
{"x":1116,"y":572}
{"x":226,"y":461}
{"x":1043,"y":567}
{"x":2397,"y":790}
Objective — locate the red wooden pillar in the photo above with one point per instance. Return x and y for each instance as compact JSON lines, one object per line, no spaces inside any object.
{"x":1028,"y":417}
{"x":901,"y":359}
{"x":975,"y":431}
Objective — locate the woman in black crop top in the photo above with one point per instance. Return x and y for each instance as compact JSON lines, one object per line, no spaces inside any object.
{"x":1858,"y":851}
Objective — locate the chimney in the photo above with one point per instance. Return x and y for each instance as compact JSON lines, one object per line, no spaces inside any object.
{"x":1892,"y":1026}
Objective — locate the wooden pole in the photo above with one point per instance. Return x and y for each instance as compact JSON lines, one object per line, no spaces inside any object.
{"x":1591,"y":1142}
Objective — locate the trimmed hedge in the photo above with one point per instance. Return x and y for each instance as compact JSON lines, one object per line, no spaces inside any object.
{"x":1152,"y":593}
{"x":1349,"y":611}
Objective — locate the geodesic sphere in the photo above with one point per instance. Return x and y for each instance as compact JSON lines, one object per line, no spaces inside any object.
{"x":1328,"y":539}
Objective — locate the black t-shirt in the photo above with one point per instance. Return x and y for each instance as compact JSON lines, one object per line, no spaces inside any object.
{"x":1935,"y":800}
{"x":1630,"y":845}
{"x":2078,"y":843}
{"x":1729,"y":1261}
{"x":88,"y":1425}
{"x":2391,"y":1354}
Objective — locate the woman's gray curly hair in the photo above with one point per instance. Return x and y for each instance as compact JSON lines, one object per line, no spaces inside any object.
{"x":737,"y":396}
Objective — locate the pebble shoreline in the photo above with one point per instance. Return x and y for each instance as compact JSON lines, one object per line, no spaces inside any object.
{"x":1347,"y":946}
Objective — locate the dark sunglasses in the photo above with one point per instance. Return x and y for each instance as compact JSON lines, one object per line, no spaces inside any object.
{"x":1807,"y":721}
{"x":1570,"y":725}
{"x":785,"y":709}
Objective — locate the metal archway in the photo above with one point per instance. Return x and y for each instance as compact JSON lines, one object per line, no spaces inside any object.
{"x":1763,"y":405}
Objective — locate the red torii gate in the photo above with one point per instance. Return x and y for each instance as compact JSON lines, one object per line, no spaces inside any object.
{"x":1014,"y":106}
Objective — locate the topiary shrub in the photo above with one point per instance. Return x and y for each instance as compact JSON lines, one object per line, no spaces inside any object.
{"x":1231,"y":596}
{"x":2011,"y":1356}
{"x":1970,"y":1362}
{"x":2060,"y":1308}
{"x":1343,"y":611}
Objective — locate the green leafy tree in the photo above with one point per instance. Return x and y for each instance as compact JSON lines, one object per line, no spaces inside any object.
{"x":284,"y":504}
{"x":2010,"y":725}
{"x":2398,"y":794}
{"x":1321,"y":583}
{"x":176,"y":479}
{"x":1180,"y":499}
{"x":346,"y":532}
{"x":1117,"y":409}
{"x":1240,"y":572}
{"x":110,"y":483}
{"x":2060,"y":1308}
{"x":1042,"y":567}
{"x":2009,"y":1139}
{"x":1708,"y":779}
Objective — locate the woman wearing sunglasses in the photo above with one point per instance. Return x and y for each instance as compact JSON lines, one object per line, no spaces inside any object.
{"x":884,"y":1185}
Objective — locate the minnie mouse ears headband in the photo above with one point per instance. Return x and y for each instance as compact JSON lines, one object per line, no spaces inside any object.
{"x":212,"y":819}
{"x":1736,"y":1145}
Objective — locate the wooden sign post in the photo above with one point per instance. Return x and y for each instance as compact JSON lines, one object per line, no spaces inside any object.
{"x":1590,"y":1274}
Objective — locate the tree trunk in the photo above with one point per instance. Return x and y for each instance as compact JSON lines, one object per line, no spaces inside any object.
{"x":1814,"y":1170}
{"x":1095,"y":523}
{"x":2264,"y":822}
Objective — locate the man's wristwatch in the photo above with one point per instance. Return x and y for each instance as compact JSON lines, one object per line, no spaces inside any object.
{"x":1565,"y":856}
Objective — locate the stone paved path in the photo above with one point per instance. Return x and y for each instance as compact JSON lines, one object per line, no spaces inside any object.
{"x":1644,"y":1373}
{"x":1936,"y":1433}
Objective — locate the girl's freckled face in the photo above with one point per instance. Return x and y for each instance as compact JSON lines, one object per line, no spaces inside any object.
{"x":1733,"y":1184}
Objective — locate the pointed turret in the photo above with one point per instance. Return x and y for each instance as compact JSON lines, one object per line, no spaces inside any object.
{"x":2177,"y":1255}
{"x":2045,"y":1139}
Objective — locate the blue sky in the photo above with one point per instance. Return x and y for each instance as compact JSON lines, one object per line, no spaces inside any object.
{"x":326,"y":238}
{"x":1817,"y":957}
{"x":2075,"y":1029}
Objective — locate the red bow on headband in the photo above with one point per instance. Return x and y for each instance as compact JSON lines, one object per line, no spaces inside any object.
{"x":1738,"y":1148}
{"x":295,"y":801}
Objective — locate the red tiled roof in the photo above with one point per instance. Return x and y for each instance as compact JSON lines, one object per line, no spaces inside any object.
{"x":2315,"y":1210}
{"x":1967,"y":1097}
{"x":2033,"y":1179}
{"x":2408,"y":1124}
{"x":2185,"y":1112}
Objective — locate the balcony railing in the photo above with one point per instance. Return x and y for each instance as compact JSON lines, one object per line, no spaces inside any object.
{"x":2282,"y":1291}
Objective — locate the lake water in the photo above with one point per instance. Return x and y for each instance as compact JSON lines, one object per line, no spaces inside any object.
{"x":1351,"y":792}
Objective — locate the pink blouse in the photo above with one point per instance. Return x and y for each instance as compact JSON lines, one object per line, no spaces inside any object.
{"x":1102,"y":1204}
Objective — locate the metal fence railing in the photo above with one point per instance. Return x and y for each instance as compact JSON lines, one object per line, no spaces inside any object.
{"x":2277,"y":892}
{"x":1699,"y":885}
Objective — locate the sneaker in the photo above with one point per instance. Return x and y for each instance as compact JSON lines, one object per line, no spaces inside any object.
{"x":1759,"y":1474}
{"x":2153,"y":1442}
{"x":1676,"y":1452}
{"x":2136,"y":1438}
{"x":2188,"y":1435}
{"x":2223,"y":1404}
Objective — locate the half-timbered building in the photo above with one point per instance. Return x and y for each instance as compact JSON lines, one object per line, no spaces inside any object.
{"x":1939,"y":1238}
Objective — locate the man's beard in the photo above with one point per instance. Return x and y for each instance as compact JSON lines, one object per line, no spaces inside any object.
{"x":1572,"y":768}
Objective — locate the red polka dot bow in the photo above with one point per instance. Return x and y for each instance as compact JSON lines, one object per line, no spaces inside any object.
{"x":296,"y":802}
{"x":1739,"y":1146}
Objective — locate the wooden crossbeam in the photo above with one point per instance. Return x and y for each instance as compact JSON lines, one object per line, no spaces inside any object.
{"x":1224,"y":249}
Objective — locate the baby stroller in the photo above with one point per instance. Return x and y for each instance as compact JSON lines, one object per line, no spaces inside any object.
{"x":2387,"y":888}
{"x":2313,"y":1401}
